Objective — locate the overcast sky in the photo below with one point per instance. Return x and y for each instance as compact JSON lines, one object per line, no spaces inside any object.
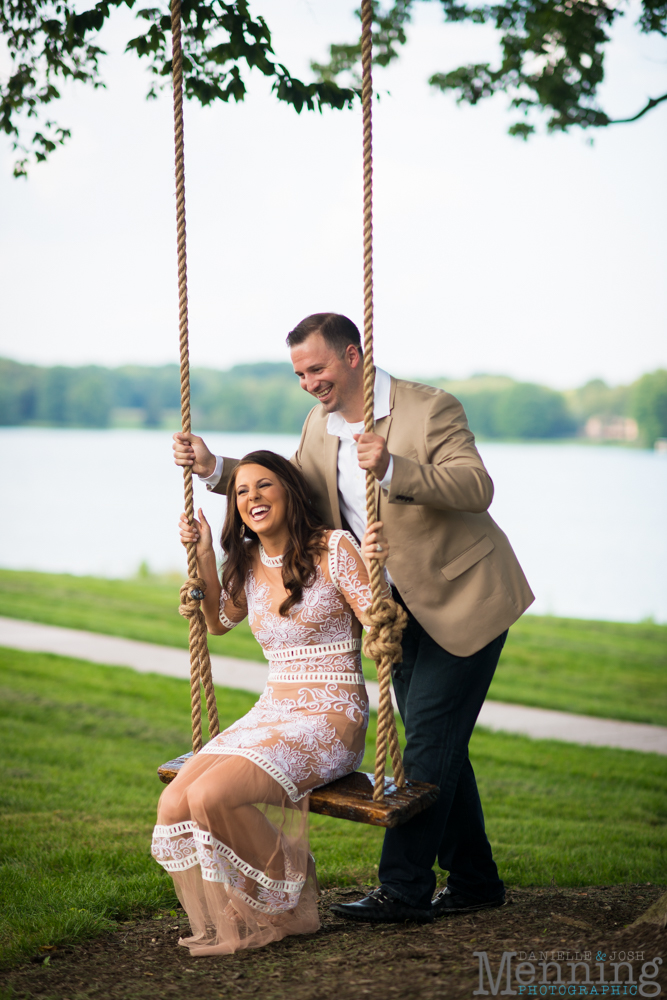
{"x":545,"y":260}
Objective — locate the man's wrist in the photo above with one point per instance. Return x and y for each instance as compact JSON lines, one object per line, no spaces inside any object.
{"x":210,"y":468}
{"x":215,"y":476}
{"x":385,"y":481}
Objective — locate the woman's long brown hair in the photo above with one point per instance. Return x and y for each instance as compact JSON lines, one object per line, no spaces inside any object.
{"x":306,"y":533}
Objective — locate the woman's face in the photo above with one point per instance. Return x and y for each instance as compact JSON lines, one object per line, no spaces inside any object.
{"x":261,"y":499}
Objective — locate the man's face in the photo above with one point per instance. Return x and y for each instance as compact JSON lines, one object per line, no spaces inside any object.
{"x":334,"y":381}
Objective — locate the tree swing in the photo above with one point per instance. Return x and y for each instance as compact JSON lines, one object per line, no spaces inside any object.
{"x":363,"y":798}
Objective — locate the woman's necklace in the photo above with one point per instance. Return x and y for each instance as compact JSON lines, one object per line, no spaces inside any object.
{"x":269,"y":560}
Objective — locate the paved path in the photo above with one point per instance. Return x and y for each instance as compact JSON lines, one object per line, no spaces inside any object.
{"x":247,"y":675}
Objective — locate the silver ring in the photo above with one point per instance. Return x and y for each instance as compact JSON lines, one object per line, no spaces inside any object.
{"x":378,"y":548}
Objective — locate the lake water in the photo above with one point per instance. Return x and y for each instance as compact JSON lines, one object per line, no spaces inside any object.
{"x":588,"y":524}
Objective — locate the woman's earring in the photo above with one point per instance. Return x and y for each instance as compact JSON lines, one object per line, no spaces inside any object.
{"x":242,"y":530}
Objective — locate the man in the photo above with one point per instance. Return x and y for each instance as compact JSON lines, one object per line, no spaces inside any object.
{"x":452,"y":569}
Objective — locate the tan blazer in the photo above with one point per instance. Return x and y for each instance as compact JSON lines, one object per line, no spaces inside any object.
{"x":451,"y":563}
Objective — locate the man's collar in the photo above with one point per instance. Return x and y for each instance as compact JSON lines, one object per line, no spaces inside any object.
{"x":339,"y":427}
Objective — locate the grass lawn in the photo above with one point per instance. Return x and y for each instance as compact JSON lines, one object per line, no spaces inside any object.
{"x":608,"y":669}
{"x":80,"y":743}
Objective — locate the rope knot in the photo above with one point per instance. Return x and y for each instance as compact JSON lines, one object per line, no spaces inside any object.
{"x":190,"y":597}
{"x":388,"y":619}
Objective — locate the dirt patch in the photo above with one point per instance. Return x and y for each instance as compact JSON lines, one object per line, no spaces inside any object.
{"x":348,"y":961}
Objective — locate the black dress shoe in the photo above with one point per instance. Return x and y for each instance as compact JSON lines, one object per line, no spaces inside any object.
{"x":447,"y":903}
{"x":379,"y":907}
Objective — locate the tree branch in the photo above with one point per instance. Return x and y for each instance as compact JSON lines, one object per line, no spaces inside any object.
{"x":653,"y":101}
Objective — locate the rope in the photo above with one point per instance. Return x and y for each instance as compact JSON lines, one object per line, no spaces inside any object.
{"x":192,"y":591}
{"x":383,"y":642}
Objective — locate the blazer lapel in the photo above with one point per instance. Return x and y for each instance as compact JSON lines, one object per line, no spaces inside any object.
{"x":331,"y":476}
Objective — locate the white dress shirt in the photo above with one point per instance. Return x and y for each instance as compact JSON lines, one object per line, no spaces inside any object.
{"x":351,"y":478}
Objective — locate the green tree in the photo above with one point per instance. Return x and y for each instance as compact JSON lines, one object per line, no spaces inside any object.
{"x":262,"y":396}
{"x":49,"y":42}
{"x":52,"y":397}
{"x":18,"y":392}
{"x":481,"y":410}
{"x":596,"y":398}
{"x":89,"y":399}
{"x":551,"y":56}
{"x":498,"y":407}
{"x":649,"y":406}
{"x":532,"y":411}
{"x":72,"y":397}
{"x":551,"y":59}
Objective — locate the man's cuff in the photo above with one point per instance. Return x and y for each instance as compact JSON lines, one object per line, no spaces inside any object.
{"x":212,"y":481}
{"x":385,"y":483}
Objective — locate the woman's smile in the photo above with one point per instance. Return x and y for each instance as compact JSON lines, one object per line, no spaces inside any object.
{"x":259,"y":513}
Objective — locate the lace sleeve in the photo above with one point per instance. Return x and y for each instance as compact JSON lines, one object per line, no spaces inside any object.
{"x":349,"y":574}
{"x":231,"y":614}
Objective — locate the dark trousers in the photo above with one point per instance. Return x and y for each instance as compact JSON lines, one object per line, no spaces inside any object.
{"x":439,"y":697}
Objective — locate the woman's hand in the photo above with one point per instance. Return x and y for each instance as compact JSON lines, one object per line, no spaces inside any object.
{"x":200,"y":533}
{"x":375,"y":544}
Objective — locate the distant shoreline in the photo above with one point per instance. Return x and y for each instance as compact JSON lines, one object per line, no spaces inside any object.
{"x":171,"y":428}
{"x":265,"y":397}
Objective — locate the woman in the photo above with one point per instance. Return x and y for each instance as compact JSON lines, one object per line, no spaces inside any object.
{"x":233,"y":826}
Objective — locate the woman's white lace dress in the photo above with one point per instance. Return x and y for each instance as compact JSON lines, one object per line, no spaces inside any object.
{"x":233,"y":826}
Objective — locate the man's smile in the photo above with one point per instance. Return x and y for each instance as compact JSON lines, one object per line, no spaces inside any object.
{"x":324,"y":392}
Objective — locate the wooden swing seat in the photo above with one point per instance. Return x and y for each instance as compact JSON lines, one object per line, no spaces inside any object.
{"x":351,"y":797}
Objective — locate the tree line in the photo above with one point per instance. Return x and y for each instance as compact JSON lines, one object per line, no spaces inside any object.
{"x":266,"y":397}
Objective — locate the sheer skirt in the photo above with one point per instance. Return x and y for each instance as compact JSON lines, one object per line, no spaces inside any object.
{"x":233,"y":826}
{"x":236,"y":847}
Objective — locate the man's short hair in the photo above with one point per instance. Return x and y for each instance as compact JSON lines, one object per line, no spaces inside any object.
{"x":338,"y":331}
